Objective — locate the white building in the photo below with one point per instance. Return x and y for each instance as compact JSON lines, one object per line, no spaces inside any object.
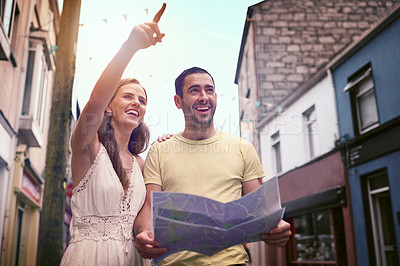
{"x":302,"y":129}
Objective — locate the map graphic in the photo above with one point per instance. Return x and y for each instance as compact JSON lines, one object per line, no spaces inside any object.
{"x":189,"y":222}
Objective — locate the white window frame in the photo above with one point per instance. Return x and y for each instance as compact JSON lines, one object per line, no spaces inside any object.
{"x":7,"y":16}
{"x":310,"y":132}
{"x":38,"y":75}
{"x":276,"y":152}
{"x":363,"y":91}
{"x":38,"y":84}
{"x":376,"y":218}
{"x":362,"y":86}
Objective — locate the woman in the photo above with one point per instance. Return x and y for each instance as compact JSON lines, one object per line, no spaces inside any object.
{"x":106,"y":168}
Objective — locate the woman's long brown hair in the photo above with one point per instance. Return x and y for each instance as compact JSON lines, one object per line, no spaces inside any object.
{"x":138,"y":141}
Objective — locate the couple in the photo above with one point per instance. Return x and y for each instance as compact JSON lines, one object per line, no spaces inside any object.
{"x":110,"y":199}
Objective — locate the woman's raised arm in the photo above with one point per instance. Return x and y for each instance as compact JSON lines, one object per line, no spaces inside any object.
{"x":142,"y":36}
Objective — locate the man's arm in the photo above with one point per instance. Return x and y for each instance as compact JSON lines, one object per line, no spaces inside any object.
{"x":279,"y":235}
{"x":145,"y":244}
{"x":249,"y":186}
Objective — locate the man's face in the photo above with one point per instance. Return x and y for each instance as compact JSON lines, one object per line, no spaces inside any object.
{"x":199,"y":100}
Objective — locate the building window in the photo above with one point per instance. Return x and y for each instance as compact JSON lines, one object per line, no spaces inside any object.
{"x":8,"y":18}
{"x":7,"y":8}
{"x":34,"y":102}
{"x":362,"y":93}
{"x":32,"y":120}
{"x":381,"y":223}
{"x":276,"y":152}
{"x":317,"y":238}
{"x":310,"y":130}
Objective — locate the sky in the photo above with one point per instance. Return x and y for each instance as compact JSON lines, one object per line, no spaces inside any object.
{"x":204,"y":33}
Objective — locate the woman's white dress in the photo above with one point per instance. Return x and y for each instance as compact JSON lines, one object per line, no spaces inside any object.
{"x":102,"y":216}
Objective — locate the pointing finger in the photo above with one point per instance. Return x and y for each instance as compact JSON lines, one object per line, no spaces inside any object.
{"x":157,"y":17}
{"x":151,"y":29}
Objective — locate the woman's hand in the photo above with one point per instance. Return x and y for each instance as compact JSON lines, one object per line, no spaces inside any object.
{"x":164,"y":137}
{"x":146,"y":34}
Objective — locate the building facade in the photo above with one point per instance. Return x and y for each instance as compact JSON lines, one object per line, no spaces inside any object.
{"x":367,"y":82}
{"x":28,"y":33}
{"x":285,"y":43}
{"x":299,"y":146}
{"x":290,"y":109}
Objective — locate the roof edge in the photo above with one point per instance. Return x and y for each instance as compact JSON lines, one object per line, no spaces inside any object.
{"x":249,"y":14}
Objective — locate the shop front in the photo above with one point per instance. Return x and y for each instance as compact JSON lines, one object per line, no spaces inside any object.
{"x":317,"y":201}
{"x":25,"y":205}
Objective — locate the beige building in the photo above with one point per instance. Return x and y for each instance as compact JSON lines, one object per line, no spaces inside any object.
{"x":28,"y":34}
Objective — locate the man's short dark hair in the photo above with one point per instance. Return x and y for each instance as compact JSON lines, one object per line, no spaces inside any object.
{"x":189,"y":71}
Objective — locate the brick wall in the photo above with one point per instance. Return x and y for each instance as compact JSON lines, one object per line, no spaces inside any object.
{"x":295,"y":38}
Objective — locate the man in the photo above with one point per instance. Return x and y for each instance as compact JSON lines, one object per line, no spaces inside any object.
{"x":202,"y":161}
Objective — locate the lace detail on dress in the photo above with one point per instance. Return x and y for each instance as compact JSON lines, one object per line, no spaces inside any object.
{"x":97,"y":228}
{"x":127,"y":200}
{"x":82,"y":185}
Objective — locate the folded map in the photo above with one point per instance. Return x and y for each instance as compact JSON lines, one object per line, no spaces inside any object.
{"x":195,"y":223}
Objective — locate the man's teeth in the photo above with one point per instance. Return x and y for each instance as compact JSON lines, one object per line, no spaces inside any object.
{"x":202,"y":108}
